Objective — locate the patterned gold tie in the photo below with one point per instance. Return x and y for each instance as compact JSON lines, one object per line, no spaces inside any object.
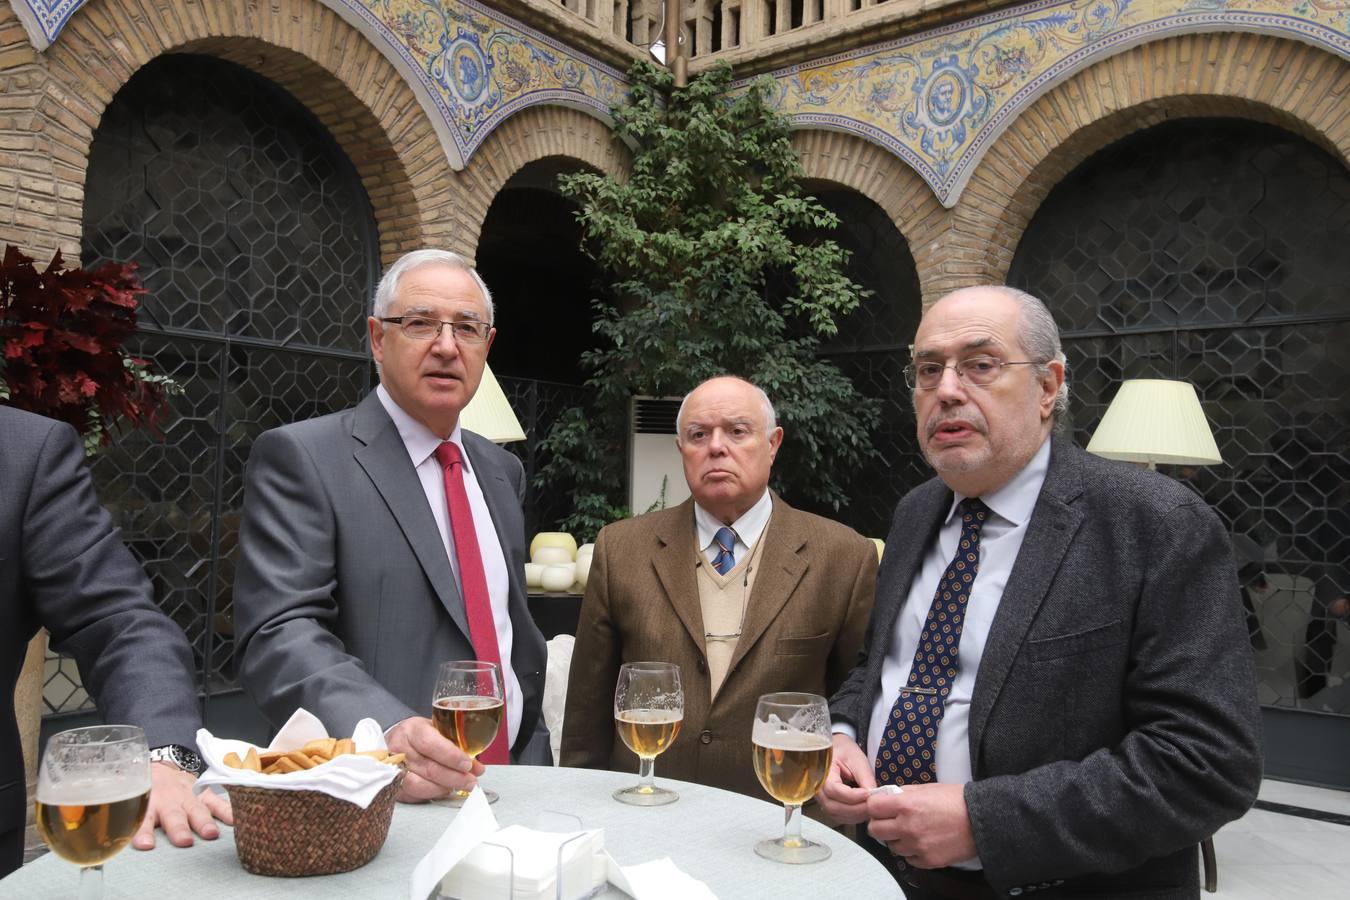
{"x":905,"y":755}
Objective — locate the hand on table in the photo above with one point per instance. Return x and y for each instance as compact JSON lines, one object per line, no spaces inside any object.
{"x":435,"y":765}
{"x":843,"y":796}
{"x":178,"y":811}
{"x":927,"y":824}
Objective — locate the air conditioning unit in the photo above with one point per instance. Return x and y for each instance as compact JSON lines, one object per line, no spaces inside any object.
{"x":655,"y":470}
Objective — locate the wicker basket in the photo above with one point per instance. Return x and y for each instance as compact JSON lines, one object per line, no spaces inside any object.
{"x":297,"y":833}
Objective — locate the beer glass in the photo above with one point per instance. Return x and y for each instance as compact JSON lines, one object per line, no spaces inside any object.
{"x":792,"y":754}
{"x":648,"y":710}
{"x":468,"y":709}
{"x":93,"y":790}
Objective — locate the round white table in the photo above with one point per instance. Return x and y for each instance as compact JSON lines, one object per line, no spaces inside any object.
{"x":709,"y":833}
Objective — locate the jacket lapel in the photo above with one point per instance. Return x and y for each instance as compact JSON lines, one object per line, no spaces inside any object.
{"x":905,"y":546}
{"x":1054,"y":522}
{"x":674,"y":565}
{"x":384,"y":458}
{"x":781,"y":568}
{"x":502,"y":501}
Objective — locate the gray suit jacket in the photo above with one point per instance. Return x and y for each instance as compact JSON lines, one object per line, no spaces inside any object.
{"x":1114,"y":721}
{"x":63,"y":567}
{"x":344,"y":600}
{"x":802,"y":631}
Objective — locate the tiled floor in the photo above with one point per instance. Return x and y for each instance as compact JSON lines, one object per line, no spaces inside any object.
{"x":1271,"y":856}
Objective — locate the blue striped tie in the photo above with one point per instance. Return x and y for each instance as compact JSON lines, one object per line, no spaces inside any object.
{"x":725,"y":560}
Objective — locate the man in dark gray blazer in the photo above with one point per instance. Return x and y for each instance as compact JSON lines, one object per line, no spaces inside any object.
{"x":63,"y":567}
{"x":351,"y":584}
{"x":1056,"y":674}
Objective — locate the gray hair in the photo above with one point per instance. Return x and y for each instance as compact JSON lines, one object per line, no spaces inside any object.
{"x":388,"y":287}
{"x":770,"y":418}
{"x":1039,"y":336}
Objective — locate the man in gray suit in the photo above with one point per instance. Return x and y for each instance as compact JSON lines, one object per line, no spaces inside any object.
{"x":63,"y":567}
{"x":383,"y":540}
{"x":1056,"y":674}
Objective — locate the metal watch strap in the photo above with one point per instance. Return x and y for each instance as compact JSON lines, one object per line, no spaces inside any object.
{"x":178,"y":755}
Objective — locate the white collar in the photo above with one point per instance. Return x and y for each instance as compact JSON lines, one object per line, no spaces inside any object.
{"x":748,"y":527}
{"x":1016,"y":499}
{"x":420,"y":440}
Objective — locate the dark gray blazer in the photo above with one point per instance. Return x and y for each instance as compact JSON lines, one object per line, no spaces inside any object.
{"x":344,"y":599}
{"x":1114,"y":721}
{"x":63,"y":567}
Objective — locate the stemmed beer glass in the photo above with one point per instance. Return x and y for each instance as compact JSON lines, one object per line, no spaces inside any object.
{"x":648,"y":710}
{"x":791,"y":734}
{"x":93,"y":791}
{"x":467,"y":710}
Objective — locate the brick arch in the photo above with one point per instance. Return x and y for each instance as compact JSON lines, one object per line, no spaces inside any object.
{"x":301,"y":45}
{"x":533,"y":134}
{"x":1256,"y":77}
{"x":890,"y":183}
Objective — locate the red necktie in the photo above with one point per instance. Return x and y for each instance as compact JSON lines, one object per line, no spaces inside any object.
{"x":477,"y":604}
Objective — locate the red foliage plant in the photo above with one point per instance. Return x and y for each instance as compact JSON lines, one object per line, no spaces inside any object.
{"x":62,"y":332}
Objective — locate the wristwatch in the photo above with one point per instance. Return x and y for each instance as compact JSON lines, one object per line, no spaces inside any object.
{"x":179,"y":756}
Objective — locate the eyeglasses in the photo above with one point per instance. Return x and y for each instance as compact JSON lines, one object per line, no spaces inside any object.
{"x":978,"y":370}
{"x":421,"y":328}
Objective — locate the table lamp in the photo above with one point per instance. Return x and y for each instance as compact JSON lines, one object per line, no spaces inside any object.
{"x":489,"y":414}
{"x":1153,"y":421}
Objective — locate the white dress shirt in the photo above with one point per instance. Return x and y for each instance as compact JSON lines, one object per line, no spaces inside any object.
{"x":421,"y":444}
{"x":1000,"y":540}
{"x":748,"y":527}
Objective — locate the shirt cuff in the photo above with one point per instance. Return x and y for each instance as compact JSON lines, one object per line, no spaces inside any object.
{"x":845,"y":729}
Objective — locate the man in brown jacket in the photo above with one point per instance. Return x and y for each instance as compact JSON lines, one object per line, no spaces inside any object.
{"x":744,"y":593}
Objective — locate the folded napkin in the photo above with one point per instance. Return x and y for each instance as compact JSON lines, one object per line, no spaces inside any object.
{"x":659,"y":879}
{"x":356,"y":779}
{"x":476,"y":860}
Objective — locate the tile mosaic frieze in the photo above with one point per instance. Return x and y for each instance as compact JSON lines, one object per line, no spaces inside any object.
{"x":939,"y":99}
{"x":470,"y":66}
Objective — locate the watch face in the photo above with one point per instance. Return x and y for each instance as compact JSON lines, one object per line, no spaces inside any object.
{"x":182,"y":757}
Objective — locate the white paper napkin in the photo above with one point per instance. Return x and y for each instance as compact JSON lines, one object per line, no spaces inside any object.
{"x":356,"y":779}
{"x":476,"y":860}
{"x":659,"y":879}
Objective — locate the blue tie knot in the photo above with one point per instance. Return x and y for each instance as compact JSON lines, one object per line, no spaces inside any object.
{"x":725,"y":560}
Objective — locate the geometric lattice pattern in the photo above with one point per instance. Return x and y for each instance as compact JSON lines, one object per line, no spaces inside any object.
{"x":1212,"y":251}
{"x":538,"y":405}
{"x":872,"y":349}
{"x":257,"y":245}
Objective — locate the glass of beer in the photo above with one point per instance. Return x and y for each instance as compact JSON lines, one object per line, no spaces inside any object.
{"x":468,"y":709}
{"x":93,"y":790}
{"x":648,"y":710}
{"x":791,"y":735}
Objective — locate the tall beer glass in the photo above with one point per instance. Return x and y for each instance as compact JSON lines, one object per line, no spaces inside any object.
{"x":791,"y":735}
{"x":468,"y":710}
{"x":648,"y":710}
{"x":93,"y":790}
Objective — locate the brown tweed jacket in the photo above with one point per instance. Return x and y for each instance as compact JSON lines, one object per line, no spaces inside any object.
{"x":803,"y":629}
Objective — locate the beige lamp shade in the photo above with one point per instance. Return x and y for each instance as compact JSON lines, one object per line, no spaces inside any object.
{"x":489,"y":414}
{"x":1154,"y":421}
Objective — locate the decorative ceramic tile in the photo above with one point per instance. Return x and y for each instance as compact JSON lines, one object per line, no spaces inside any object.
{"x":470,"y":66}
{"x":939,"y":99}
{"x":44,"y":19}
{"x":478,"y":66}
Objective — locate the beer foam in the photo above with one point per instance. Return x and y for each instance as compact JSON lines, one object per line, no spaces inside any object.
{"x":89,"y":793}
{"x":650,"y":716}
{"x":777,"y":735}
